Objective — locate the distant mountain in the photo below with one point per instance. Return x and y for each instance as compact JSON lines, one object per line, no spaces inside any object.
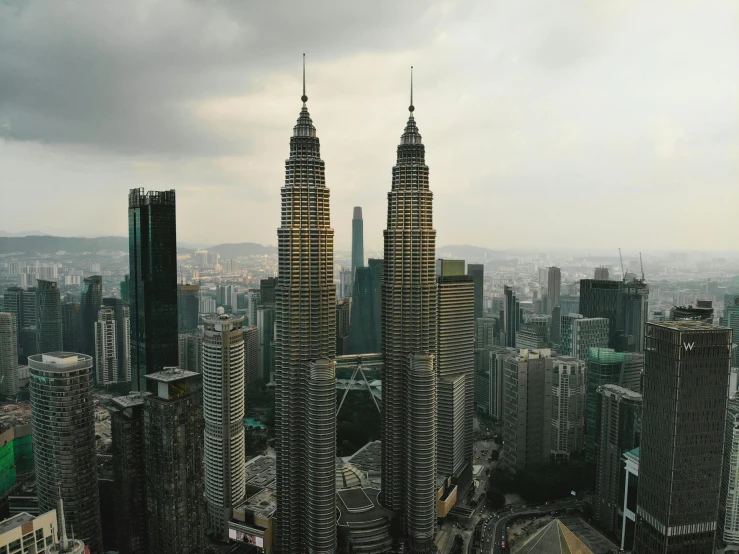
{"x":474,"y":254}
{"x":49,"y":245}
{"x":22,"y":234}
{"x":242,"y":249}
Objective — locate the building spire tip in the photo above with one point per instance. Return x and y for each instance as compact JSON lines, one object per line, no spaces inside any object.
{"x":411,"y":108}
{"x":304,"y":98}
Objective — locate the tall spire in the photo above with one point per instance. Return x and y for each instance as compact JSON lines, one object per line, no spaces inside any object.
{"x":410,"y":108}
{"x":304,"y":98}
{"x":63,"y":541}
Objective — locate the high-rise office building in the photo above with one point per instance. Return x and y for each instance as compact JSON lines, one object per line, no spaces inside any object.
{"x":90,"y":302}
{"x":122,"y":313}
{"x":223,"y":399}
{"x":174,"y":468}
{"x":188,"y":305}
{"x":252,"y":369}
{"x":527,"y":408}
{"x":346,"y":278}
{"x":727,"y":536}
{"x":618,"y":431}
{"x":129,"y":471}
{"x":71,"y":327}
{"x":579,"y":334}
{"x":603,"y":299}
{"x":554,"y":284}
{"x":267,"y":291}
{"x":568,"y":406}
{"x":305,"y":333}
{"x":125,"y":288}
{"x":477,"y":272}
{"x":48,"y":316}
{"x":635,"y":308}
{"x":266,"y":330}
{"x":106,"y":351}
{"x":343,"y":325}
{"x":555,"y":327}
{"x":606,"y":366}
{"x":63,"y":417}
{"x":357,"y":239}
{"x":511,"y":317}
{"x":455,"y":366}
{"x":409,"y":330}
{"x":731,"y":319}
{"x":22,"y":303}
{"x":686,"y":374}
{"x":152,"y":234}
{"x":365,"y":333}
{"x":601,"y":274}
{"x":8,"y":355}
{"x":253,"y":301}
{"x":190,"y":351}
{"x":489,"y":379}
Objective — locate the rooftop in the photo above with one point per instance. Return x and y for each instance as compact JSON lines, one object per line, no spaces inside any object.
{"x":355,"y":500}
{"x":618,"y":390}
{"x":367,"y":458}
{"x":15,"y":521}
{"x":360,"y":505}
{"x":687,"y":325}
{"x":553,"y":538}
{"x":129,"y":400}
{"x":171,"y":375}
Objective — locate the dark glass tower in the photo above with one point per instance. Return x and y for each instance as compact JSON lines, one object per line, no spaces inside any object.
{"x":365,"y":333}
{"x":409,"y":332}
{"x":603,"y":299}
{"x":511,"y":316}
{"x":71,"y":326}
{"x":48,"y":316}
{"x":90,"y":302}
{"x":188,"y":307}
{"x":686,"y":375}
{"x":357,"y":240}
{"x":152,"y":236}
{"x":477,"y":272}
{"x":306,"y":334}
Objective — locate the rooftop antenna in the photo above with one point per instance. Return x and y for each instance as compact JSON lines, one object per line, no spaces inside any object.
{"x":623,"y":273}
{"x":642,"y":266}
{"x":63,"y":541}
{"x":411,"y":108}
{"x":304,"y":98}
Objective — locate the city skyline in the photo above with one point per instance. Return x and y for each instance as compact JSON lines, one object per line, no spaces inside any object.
{"x":578,"y":84}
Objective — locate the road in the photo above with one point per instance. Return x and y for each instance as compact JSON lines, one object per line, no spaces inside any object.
{"x":496,"y":525}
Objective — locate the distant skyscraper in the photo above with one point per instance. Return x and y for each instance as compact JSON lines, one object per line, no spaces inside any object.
{"x":477,"y":272}
{"x":409,"y":332}
{"x":455,"y":366}
{"x":305,"y":334}
{"x":635,"y":308}
{"x":252,"y":369}
{"x":554,"y":284}
{"x":190,"y":351}
{"x":63,"y":416}
{"x":527,"y":409}
{"x":728,"y":508}
{"x":174,"y":486}
{"x":8,"y":355}
{"x":90,"y":302}
{"x":357,"y":240}
{"x":188,"y":304}
{"x":555,"y":329}
{"x":22,"y":303}
{"x":607,"y":367}
{"x":343,"y":321}
{"x":345,"y":282}
{"x":603,"y":299}
{"x":266,"y":330}
{"x":731,"y":319}
{"x":601,"y":274}
{"x":122,"y":313}
{"x":125,"y":288}
{"x":129,"y":470}
{"x":489,"y":379}
{"x":71,"y":327}
{"x":48,"y":316}
{"x":253,"y":301}
{"x":152,"y":234}
{"x":223,"y":399}
{"x":365,"y":333}
{"x":106,"y":353}
{"x":511,"y":316}
{"x":686,"y":371}
{"x":618,"y":431}
{"x":568,"y":406}
{"x":580,"y":334}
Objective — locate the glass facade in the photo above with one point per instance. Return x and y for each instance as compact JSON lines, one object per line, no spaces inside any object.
{"x":366,"y":324}
{"x":153,"y":283}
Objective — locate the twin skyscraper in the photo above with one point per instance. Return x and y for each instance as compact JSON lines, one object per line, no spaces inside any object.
{"x":306,"y":346}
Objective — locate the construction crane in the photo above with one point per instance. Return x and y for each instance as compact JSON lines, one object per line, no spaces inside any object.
{"x":641,"y":263}
{"x":623,"y":273}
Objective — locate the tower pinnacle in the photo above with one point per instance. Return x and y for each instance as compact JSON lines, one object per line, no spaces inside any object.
{"x":63,"y":541}
{"x":410,"y":108}
{"x":304,"y":98}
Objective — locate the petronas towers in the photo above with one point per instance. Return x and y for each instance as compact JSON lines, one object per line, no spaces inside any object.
{"x":305,"y":368}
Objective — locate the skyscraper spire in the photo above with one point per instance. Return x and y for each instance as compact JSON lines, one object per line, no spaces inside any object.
{"x":63,"y":541}
{"x":410,"y":108}
{"x":304,"y":98}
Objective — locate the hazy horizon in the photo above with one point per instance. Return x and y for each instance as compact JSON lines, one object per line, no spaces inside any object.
{"x":578,"y":123}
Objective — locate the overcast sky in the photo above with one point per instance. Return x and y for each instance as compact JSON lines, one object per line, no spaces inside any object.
{"x":593,"y":123}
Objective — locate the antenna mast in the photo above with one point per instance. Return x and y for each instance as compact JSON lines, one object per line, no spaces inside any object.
{"x":641,"y":263}
{"x":623,"y":273}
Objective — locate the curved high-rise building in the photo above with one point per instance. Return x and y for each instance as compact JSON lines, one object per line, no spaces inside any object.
{"x":409,"y":315}
{"x":63,"y":417}
{"x":223,"y":402}
{"x":305,"y":315}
